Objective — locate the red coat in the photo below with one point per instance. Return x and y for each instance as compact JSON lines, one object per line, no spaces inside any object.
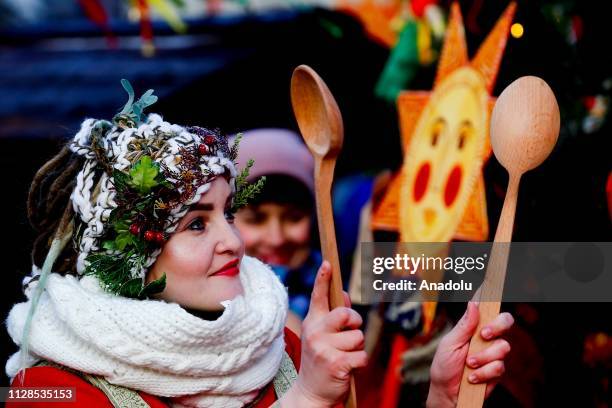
{"x":90,"y":396}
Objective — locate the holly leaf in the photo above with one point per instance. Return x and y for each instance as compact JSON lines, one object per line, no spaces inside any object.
{"x":122,"y":180}
{"x":114,"y":215}
{"x":166,"y":184}
{"x":109,"y":245}
{"x":143,"y":175}
{"x":139,"y":244}
{"x":121,"y":226}
{"x":122,"y":240}
{"x":153,"y":287}
{"x":145,"y":203}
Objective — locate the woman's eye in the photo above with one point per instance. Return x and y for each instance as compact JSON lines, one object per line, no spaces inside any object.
{"x":295,"y":216}
{"x":196,"y":225}
{"x":229,"y":216}
{"x":254,"y":218}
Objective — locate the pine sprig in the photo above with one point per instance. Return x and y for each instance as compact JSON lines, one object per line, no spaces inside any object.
{"x":241,"y":179}
{"x":246,"y":191}
{"x":233,"y":153}
{"x":114,"y":271}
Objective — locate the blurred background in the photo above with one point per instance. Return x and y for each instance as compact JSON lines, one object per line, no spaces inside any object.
{"x":227,"y":64}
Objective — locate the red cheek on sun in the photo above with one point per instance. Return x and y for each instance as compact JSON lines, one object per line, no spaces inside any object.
{"x":453,"y":182}
{"x":420,"y":183}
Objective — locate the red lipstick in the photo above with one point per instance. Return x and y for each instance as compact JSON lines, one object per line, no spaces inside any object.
{"x":229,"y":269}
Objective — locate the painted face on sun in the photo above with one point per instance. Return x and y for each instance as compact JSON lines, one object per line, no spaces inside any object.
{"x":444,"y":158}
{"x":439,"y":194}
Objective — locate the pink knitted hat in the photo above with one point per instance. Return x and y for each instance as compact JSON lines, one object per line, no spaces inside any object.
{"x":276,"y":151}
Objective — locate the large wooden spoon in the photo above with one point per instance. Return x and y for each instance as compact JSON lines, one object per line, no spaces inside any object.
{"x":524,"y":130}
{"x":320,"y":123}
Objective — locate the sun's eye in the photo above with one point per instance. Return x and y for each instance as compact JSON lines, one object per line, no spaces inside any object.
{"x":197,"y":224}
{"x":464,"y":134}
{"x":436,"y":131}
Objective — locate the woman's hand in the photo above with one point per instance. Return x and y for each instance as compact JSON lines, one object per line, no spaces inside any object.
{"x":450,"y":358}
{"x":332,"y":346}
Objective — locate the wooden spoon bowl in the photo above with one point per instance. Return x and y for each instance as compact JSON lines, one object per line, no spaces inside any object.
{"x":524,"y":124}
{"x":317,"y":113}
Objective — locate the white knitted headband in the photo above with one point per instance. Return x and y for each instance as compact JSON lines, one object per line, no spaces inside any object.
{"x":139,"y":178}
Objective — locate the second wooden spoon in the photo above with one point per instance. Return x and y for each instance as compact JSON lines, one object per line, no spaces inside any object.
{"x":524,"y":129}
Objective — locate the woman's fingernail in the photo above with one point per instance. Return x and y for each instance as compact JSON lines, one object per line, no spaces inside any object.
{"x":472,"y":378}
{"x":486,"y":333}
{"x":472,"y":361}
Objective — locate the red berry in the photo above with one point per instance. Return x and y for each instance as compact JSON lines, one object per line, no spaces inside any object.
{"x":149,"y":235}
{"x":135,"y":229}
{"x":159,"y":237}
{"x":209,"y":140}
{"x":202,"y":149}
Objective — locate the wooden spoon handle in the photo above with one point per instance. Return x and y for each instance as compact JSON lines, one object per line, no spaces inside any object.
{"x":472,"y":395}
{"x":324,"y":174}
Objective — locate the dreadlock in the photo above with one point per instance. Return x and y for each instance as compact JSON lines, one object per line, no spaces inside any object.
{"x":50,"y":209}
{"x":51,"y":215}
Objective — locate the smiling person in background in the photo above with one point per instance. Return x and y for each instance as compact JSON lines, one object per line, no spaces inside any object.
{"x":277,"y":225}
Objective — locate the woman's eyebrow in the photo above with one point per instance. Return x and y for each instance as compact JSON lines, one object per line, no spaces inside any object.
{"x":201,"y":207}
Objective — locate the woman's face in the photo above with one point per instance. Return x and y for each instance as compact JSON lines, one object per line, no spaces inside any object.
{"x":201,"y":259}
{"x":278,"y":234}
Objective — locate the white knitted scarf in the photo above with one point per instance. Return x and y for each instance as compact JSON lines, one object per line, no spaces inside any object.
{"x":158,"y":347}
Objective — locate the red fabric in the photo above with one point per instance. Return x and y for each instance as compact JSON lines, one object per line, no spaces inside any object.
{"x":392,"y":385}
{"x":609,"y":193}
{"x":419,"y":6}
{"x":91,"y":397}
{"x":294,"y":349}
{"x":86,"y":394}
